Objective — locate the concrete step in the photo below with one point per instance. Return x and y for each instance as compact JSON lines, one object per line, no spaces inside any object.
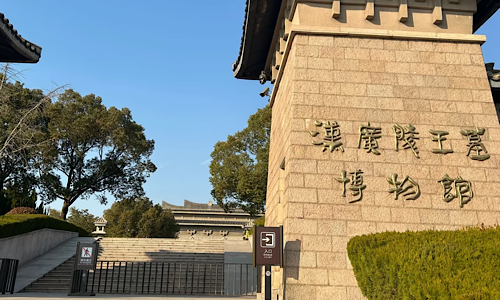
{"x":149,"y":250}
{"x":52,"y":289}
{"x":56,"y":281}
{"x":166,"y":255}
{"x":141,"y":259}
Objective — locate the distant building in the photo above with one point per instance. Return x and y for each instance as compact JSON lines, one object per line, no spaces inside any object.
{"x":210,"y":221}
{"x":13,"y":47}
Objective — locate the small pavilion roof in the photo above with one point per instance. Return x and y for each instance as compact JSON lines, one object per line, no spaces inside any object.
{"x":101,"y":220}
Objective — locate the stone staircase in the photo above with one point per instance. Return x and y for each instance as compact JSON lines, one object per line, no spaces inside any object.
{"x":161,"y":250}
{"x":56,"y":281}
{"x":144,"y":258}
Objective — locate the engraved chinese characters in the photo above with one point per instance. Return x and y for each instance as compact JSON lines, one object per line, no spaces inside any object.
{"x":407,"y":135}
{"x":440,"y":137}
{"x":356,"y":187}
{"x":453,"y":188}
{"x":409,"y":188}
{"x":369,"y":135}
{"x":332,"y":139}
{"x":475,"y":143}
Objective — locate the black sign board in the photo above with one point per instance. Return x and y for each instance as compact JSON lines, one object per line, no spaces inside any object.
{"x":86,"y":256}
{"x":268,"y":246}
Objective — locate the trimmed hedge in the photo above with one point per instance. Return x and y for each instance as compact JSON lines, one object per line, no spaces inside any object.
{"x":18,"y":224}
{"x":458,"y":265}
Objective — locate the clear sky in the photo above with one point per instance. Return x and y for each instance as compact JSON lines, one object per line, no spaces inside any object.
{"x":169,"y":62}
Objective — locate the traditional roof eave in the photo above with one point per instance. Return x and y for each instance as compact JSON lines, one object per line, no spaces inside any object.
{"x":14,"y":48}
{"x":485,"y":9}
{"x":261,"y":17}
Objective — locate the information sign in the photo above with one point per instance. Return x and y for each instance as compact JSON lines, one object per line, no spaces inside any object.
{"x":86,"y":255}
{"x":268,"y":246}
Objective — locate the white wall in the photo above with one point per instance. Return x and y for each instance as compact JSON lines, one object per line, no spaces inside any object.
{"x":30,"y":245}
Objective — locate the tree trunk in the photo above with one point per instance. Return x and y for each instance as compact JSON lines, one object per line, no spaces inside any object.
{"x":64,"y":210}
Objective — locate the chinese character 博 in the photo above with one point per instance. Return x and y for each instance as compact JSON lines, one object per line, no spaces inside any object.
{"x":357,"y":185}
{"x":453,"y":188}
{"x":369,"y":136}
{"x":440,"y":138}
{"x":409,"y":188}
{"x":408,"y":136}
{"x":332,"y":136}
{"x":475,"y":143}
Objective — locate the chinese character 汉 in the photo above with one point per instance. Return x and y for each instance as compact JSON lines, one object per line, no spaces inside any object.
{"x":440,"y":138}
{"x":408,"y":136}
{"x":332,"y":136}
{"x":475,"y":144}
{"x":409,"y":188}
{"x":356,"y":187}
{"x":453,"y":188}
{"x":369,"y":136}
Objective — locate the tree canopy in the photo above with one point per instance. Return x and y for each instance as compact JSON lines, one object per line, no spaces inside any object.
{"x":82,"y":218}
{"x":238,"y":171}
{"x":135,"y":218}
{"x":92,"y":150}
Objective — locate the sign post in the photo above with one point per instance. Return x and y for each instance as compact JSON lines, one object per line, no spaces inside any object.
{"x":86,"y":258}
{"x":268,"y":251}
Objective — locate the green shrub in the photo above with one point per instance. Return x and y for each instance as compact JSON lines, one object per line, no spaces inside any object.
{"x":428,"y":265}
{"x":18,"y":224}
{"x":22,"y":211}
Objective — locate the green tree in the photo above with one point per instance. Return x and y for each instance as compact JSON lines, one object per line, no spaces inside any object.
{"x":157,"y":223}
{"x":139,"y":218}
{"x":82,"y":218}
{"x":54,"y":213}
{"x":92,"y":150}
{"x":238,"y":171}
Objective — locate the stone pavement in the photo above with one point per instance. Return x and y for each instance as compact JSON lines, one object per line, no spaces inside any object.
{"x":41,"y":265}
{"x":30,"y":296}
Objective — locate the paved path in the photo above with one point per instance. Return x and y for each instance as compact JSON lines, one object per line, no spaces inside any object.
{"x":31,"y":296}
{"x":43,"y":264}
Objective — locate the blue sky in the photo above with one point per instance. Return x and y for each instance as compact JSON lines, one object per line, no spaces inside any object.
{"x":169,"y":62}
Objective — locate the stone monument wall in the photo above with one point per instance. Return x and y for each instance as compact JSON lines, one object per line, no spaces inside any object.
{"x":373,"y":88}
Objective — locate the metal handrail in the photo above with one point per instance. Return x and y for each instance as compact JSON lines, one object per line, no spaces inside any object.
{"x":8,"y":273}
{"x":172,"y":278}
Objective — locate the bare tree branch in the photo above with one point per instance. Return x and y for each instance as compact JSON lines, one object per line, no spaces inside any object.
{"x":22,"y":136}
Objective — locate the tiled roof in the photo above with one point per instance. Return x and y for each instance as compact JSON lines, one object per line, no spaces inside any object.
{"x":26,"y":51}
{"x":197,"y":207}
{"x":101,"y":220}
{"x":237,"y":62}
